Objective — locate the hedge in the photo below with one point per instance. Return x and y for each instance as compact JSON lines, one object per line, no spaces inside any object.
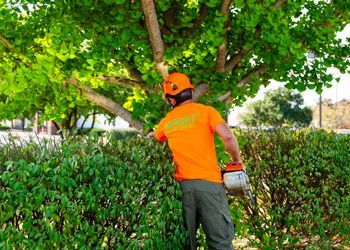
{"x":87,"y":194}
{"x":302,"y":183}
{"x":119,"y":193}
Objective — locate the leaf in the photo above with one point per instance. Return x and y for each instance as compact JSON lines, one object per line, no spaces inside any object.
{"x":239,"y":4}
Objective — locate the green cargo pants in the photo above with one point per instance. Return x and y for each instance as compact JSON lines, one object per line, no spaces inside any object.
{"x":205,"y":203}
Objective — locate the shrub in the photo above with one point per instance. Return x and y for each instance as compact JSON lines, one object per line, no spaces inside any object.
{"x":4,"y":127}
{"x":119,"y":194}
{"x":123,"y":134}
{"x":301,"y":180}
{"x":91,"y":195}
{"x":87,"y":131}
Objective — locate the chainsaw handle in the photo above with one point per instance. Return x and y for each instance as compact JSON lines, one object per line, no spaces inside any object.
{"x":235,"y":166}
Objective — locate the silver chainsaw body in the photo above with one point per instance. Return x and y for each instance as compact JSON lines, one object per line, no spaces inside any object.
{"x":237,"y":183}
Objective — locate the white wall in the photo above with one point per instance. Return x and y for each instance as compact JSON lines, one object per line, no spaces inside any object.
{"x":102,"y":122}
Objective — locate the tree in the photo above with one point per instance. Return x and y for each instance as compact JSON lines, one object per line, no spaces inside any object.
{"x":60,"y":56}
{"x":279,"y":108}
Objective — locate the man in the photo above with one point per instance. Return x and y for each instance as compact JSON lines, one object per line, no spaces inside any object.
{"x":189,"y":129}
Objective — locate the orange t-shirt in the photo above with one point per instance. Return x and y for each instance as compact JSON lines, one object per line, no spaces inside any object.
{"x":190,"y":129}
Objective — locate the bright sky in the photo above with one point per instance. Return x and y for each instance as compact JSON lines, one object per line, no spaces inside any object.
{"x":337,"y":92}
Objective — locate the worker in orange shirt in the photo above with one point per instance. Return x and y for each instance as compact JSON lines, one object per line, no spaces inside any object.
{"x":189,"y":128}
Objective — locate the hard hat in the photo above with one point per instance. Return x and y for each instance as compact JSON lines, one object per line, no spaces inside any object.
{"x":175,"y":83}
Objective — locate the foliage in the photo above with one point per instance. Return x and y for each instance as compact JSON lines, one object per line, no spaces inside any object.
{"x":279,"y":108}
{"x":301,"y":180}
{"x":45,"y":43}
{"x":92,"y":193}
{"x":89,"y":194}
{"x":123,"y":134}
{"x":87,"y":131}
{"x":4,"y":127}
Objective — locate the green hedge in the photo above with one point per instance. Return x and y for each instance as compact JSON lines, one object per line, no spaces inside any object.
{"x":119,"y":194}
{"x":302,"y":183}
{"x":88,"y":194}
{"x":4,"y":127}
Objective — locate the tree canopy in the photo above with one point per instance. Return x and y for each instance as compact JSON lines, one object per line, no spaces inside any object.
{"x":280,"y":107}
{"x":60,"y":57}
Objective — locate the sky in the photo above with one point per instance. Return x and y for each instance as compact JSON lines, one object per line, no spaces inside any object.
{"x":337,"y":92}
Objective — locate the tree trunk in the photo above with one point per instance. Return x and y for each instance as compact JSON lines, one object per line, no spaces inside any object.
{"x":93,"y":120}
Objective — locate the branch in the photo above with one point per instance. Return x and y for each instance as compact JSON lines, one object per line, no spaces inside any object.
{"x":200,"y":91}
{"x":152,"y":24}
{"x":155,"y":37}
{"x":278,"y":4}
{"x":222,"y":50}
{"x":6,"y":43}
{"x":126,"y":82}
{"x":247,"y":79}
{"x":235,"y":60}
{"x":135,"y":74}
{"x":171,"y":14}
{"x":225,"y":96}
{"x":107,"y":104}
{"x":203,"y":12}
{"x":9,"y":46}
{"x":244,"y":81}
{"x":119,"y":80}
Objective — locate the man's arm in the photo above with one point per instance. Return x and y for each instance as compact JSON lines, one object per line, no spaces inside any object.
{"x":229,"y":141}
{"x":159,"y":132}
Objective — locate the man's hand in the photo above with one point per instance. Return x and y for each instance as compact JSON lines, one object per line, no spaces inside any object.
{"x":150,"y":134}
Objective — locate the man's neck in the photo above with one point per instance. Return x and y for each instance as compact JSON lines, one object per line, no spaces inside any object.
{"x":185,"y":102}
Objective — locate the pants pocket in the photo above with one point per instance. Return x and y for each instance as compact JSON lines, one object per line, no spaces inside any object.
{"x":230,"y":226}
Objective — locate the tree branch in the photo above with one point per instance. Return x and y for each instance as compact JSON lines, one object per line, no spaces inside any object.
{"x":225,"y":96}
{"x":6,"y":43}
{"x":9,"y":46}
{"x":135,"y":74}
{"x":203,"y":12}
{"x":278,"y":4}
{"x":119,"y":80}
{"x":170,"y":15}
{"x":155,"y":37}
{"x":261,"y":70}
{"x":246,"y":80}
{"x":222,"y":50}
{"x":200,"y":91}
{"x":107,"y":104}
{"x":127,"y":82}
{"x":235,"y":60}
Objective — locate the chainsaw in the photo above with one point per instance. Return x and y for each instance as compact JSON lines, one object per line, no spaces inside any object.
{"x":237,"y":181}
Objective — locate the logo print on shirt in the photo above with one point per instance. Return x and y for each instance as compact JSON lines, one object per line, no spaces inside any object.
{"x":181,"y":123}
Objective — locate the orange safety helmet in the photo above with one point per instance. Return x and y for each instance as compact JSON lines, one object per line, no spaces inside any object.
{"x":175,"y":83}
